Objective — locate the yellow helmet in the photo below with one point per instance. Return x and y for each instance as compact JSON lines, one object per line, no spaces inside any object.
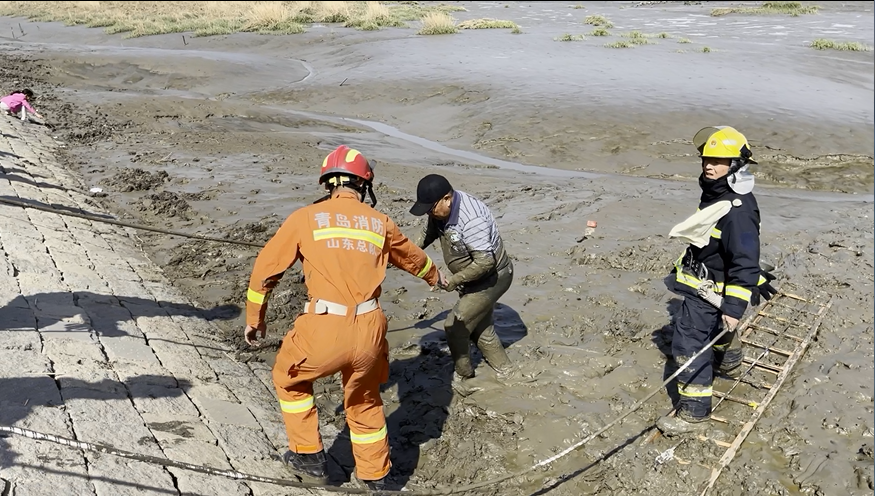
{"x":722,"y":142}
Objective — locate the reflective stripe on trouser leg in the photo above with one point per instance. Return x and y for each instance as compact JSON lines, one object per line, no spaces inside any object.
{"x":299,"y":411}
{"x":694,"y":327}
{"x":301,"y":419}
{"x":365,"y":418}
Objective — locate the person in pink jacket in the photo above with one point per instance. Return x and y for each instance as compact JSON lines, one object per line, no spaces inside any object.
{"x":16,"y":103}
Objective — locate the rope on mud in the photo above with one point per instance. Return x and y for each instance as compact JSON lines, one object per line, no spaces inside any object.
{"x":284,"y":482}
{"x":233,"y":474}
{"x":94,"y":218}
{"x":582,"y":442}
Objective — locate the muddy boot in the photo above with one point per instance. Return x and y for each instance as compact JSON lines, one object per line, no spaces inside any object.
{"x":465,"y":386}
{"x":681,"y":423}
{"x":460,"y":349}
{"x":383,"y":484}
{"x":308,"y":467}
{"x":513,"y":375}
{"x":731,"y":373}
{"x":728,"y":356}
{"x":493,"y":351}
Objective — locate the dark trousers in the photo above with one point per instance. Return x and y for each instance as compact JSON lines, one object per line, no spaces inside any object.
{"x":696,"y":325}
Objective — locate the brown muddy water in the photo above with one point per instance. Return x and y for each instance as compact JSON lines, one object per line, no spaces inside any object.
{"x":224,"y":136}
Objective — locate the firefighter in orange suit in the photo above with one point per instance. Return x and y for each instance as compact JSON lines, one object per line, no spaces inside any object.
{"x":344,"y":246}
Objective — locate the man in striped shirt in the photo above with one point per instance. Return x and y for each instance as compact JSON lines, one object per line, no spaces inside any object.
{"x":482,"y":271}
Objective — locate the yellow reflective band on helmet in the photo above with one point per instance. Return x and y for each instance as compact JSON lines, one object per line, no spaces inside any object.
{"x":693,"y":391}
{"x":351,"y":155}
{"x":738,"y":292}
{"x":716,"y":233}
{"x":301,"y":406}
{"x":368,"y":438}
{"x":349,"y":233}
{"x":255,"y":297}
{"x":427,"y":267}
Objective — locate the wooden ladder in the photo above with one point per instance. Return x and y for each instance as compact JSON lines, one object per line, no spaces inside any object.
{"x":774,"y":338}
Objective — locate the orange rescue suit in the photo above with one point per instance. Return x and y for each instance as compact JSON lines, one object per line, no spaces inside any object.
{"x":344,"y":246}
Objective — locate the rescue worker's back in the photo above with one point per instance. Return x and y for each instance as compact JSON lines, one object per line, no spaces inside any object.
{"x":344,"y":246}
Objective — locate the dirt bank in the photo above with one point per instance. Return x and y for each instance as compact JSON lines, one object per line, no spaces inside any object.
{"x":584,"y":315}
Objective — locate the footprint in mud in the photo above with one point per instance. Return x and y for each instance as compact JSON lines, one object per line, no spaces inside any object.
{"x":128,"y":180}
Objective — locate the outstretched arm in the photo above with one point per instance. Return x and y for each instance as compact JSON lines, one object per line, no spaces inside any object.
{"x":280,"y":253}
{"x":408,"y":257}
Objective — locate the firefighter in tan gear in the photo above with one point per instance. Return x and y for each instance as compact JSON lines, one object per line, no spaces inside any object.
{"x":724,"y":255}
{"x":344,"y":246}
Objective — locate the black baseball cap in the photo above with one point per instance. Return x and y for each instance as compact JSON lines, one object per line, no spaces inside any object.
{"x":430,"y":189}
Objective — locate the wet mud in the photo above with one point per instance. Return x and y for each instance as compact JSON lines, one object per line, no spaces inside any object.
{"x":228,"y":149}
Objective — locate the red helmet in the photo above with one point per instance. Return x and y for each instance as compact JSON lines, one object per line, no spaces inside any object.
{"x":344,"y":160}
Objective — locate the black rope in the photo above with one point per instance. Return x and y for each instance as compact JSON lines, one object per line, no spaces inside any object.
{"x":94,"y":218}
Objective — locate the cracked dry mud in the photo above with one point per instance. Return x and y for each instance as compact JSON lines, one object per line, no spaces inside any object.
{"x":585,"y":316}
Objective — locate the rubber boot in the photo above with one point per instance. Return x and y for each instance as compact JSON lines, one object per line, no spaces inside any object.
{"x":493,"y":351}
{"x":681,"y":423}
{"x":729,"y":356}
{"x":466,"y":386}
{"x":308,"y":467}
{"x":380,"y":485}
{"x":460,"y":349}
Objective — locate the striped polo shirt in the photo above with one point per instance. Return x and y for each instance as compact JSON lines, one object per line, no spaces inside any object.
{"x":473,"y":221}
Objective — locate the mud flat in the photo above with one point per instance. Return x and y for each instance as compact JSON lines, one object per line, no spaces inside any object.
{"x":223,"y":136}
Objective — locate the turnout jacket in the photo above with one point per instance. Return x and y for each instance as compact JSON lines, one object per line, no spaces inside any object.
{"x":732,"y":255}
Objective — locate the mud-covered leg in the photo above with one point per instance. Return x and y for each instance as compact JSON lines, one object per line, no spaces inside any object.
{"x":484,"y":330}
{"x":728,"y":354}
{"x":458,"y":341}
{"x":489,"y":343}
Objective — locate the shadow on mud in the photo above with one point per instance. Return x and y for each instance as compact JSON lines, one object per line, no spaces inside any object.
{"x":424,"y":396}
{"x":105,"y":315}
{"x":662,"y":338}
{"x":23,"y":396}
